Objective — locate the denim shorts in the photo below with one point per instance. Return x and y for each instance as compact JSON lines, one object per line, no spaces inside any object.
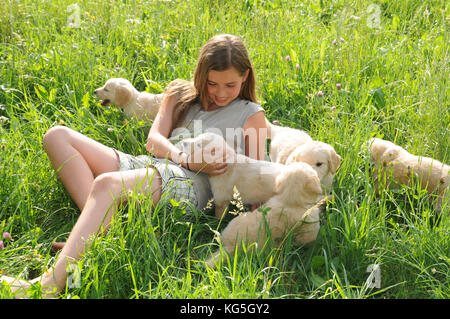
{"x":177,"y":183}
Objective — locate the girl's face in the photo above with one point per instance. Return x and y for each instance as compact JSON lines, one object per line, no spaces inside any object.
{"x":224,"y":86}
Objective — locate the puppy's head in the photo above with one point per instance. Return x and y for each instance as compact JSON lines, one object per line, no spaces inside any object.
{"x":200,"y":142}
{"x":320,"y":156}
{"x":116,"y":91}
{"x":377,"y":148}
{"x":209,"y":145}
{"x":298,"y":184}
{"x":389,"y":155}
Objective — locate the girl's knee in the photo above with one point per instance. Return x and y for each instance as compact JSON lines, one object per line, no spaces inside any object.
{"x":54,"y":135}
{"x":120,"y":184}
{"x":108,"y":182}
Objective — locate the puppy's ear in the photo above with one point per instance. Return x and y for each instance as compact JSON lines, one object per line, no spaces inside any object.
{"x":122,"y":96}
{"x":334,"y":161}
{"x":312,"y":185}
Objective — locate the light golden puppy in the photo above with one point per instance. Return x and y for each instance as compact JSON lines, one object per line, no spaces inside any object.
{"x":297,"y":190}
{"x":321,"y":156}
{"x":290,"y":145}
{"x":399,"y":167}
{"x":255,"y":180}
{"x":377,"y":147}
{"x":284,"y":140}
{"x":120,"y":92}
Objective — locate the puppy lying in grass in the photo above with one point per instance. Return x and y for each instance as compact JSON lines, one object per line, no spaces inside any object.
{"x":398,"y":166}
{"x":290,"y":145}
{"x":284,"y":140}
{"x":121,"y":93}
{"x":297,"y":190}
{"x":255,"y":180}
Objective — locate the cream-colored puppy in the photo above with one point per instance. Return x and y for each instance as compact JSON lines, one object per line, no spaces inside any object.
{"x":122,"y":93}
{"x":400,"y":166}
{"x":297,"y":190}
{"x":290,"y":145}
{"x":377,"y":147}
{"x":255,"y":180}
{"x":321,"y":156}
{"x":284,"y":140}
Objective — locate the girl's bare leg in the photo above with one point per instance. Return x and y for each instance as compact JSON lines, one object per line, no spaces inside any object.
{"x":78,"y":160}
{"x":108,"y":190}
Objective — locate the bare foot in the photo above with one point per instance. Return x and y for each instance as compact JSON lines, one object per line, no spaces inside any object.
{"x":18,"y":287}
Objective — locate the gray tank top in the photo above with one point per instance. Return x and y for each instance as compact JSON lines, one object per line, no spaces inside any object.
{"x":227,"y":121}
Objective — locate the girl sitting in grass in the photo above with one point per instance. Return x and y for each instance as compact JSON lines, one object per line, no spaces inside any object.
{"x":98,"y":177}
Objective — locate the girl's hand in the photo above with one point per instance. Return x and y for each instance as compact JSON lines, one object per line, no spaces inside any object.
{"x":211,"y":169}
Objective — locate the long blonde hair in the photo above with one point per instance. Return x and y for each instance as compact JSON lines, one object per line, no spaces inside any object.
{"x":220,"y":53}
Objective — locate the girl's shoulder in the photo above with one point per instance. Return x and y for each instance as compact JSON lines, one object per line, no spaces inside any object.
{"x":247,"y":106}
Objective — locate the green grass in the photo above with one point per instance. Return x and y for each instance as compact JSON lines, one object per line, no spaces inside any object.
{"x":394,"y":85}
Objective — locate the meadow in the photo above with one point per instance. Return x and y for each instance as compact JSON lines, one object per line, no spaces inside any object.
{"x":343,"y":71}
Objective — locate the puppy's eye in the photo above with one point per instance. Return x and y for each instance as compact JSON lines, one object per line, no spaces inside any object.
{"x":105,"y":89}
{"x":318,"y":164}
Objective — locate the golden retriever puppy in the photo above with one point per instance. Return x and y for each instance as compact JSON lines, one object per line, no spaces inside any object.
{"x":297,"y":190}
{"x":321,"y":156}
{"x":290,"y":145}
{"x":377,"y":147}
{"x":255,"y":180}
{"x":399,"y":167}
{"x":284,"y":140}
{"x":120,"y":92}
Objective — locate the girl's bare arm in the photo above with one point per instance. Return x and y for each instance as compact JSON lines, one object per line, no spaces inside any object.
{"x":159,"y":145}
{"x":255,"y":133}
{"x":157,"y":141}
